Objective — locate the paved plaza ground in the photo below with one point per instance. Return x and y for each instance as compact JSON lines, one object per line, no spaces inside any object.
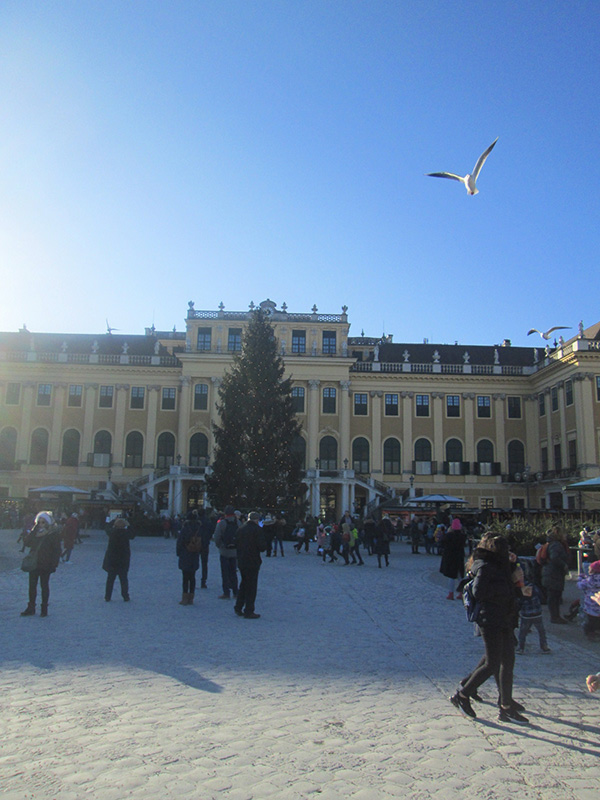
{"x":339,"y":691}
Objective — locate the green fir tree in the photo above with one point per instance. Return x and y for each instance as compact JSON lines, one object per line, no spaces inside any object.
{"x":253,"y":465}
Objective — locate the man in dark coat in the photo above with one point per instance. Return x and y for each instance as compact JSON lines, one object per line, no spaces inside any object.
{"x":117,"y":558}
{"x":250,"y":541}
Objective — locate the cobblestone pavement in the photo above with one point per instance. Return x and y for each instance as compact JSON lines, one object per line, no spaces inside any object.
{"x":340,"y":690}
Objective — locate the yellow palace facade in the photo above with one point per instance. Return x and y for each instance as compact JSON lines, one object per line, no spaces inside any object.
{"x":129,"y":417}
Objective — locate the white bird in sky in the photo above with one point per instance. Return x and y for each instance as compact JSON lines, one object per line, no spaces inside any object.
{"x":546,"y":334}
{"x":469,"y":181}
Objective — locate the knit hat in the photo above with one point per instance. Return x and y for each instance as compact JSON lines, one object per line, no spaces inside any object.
{"x":595,"y":567}
{"x":456,"y":525}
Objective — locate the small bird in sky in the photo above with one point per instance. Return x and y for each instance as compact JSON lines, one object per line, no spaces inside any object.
{"x":109,"y":330}
{"x":546,"y":334}
{"x":469,"y":181}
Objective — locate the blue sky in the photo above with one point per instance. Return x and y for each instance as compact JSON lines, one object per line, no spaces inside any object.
{"x":153,"y":153}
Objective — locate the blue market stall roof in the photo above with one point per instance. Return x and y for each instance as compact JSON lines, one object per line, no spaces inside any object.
{"x":102,"y":344}
{"x":503,"y":355}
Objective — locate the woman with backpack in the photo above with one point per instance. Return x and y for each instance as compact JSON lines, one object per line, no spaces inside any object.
{"x":494,"y":590}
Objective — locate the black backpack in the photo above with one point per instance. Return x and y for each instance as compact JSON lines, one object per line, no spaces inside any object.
{"x":472,"y":606}
{"x":229,"y":534}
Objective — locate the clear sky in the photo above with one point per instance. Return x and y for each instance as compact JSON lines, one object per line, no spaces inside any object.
{"x":153,"y":153}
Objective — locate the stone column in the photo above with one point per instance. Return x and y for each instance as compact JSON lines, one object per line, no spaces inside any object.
{"x":407,"y":432}
{"x":499,"y":414}
{"x":122,"y":392}
{"x":214,"y":414}
{"x":313,"y":424}
{"x":23,"y":439}
{"x":344,"y":422}
{"x":438,"y":430}
{"x":183,"y":425}
{"x":583,"y":391}
{"x":57,"y":416}
{"x":150,"y":439}
{"x":376,"y":451}
{"x":468,"y":421}
{"x":87,"y":439}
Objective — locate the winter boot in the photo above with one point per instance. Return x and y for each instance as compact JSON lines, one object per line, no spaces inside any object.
{"x":450,"y":596}
{"x":29,"y":611}
{"x":44,"y":610}
{"x":190,"y":601}
{"x":184,"y":599}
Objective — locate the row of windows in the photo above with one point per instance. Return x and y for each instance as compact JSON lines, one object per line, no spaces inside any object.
{"x":391,"y":404}
{"x":234,"y":341}
{"x":137,"y":396}
{"x":568,"y":396}
{"x":423,"y":463}
{"x":101,"y":455}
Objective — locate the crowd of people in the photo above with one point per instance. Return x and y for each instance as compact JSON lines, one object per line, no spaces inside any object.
{"x":506,"y":593}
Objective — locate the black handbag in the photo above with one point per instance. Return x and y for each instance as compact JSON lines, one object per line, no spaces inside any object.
{"x":29,"y":563}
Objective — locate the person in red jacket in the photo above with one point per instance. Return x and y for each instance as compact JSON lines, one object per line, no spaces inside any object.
{"x":70,"y":533}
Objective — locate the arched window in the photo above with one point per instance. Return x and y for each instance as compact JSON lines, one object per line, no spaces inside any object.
{"x":165,"y":450}
{"x":198,"y":450}
{"x":39,"y":447}
{"x":454,"y":457}
{"x":299,"y":451}
{"x":328,"y":453}
{"x":423,"y":464}
{"x":485,"y":457}
{"x":391,"y":457}
{"x":102,"y":449}
{"x":8,"y":448}
{"x":360,"y":455}
{"x":70,"y":448}
{"x":134,"y":450}
{"x":516,"y":457}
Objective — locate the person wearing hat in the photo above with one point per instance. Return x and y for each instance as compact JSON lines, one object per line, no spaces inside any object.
{"x":590,"y":585}
{"x":117,"y":558}
{"x":42,"y":559}
{"x":188,"y":548}
{"x":268,"y":526}
{"x":250,"y":541}
{"x":452,"y":563}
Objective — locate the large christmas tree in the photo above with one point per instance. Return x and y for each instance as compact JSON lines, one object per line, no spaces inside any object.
{"x":253,"y":465}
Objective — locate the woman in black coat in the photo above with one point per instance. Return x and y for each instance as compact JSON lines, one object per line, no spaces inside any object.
{"x":44,"y":542}
{"x":189,"y":545}
{"x":452,"y":564}
{"x":117,"y":558}
{"x":494,"y":590}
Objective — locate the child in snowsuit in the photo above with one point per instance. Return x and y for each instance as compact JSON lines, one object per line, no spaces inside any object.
{"x":530,"y":613}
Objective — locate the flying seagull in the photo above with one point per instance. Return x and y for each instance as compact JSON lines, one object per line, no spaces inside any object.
{"x":469,"y":180}
{"x":546,"y":334}
{"x":109,"y":330}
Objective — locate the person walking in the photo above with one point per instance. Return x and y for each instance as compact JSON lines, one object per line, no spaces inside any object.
{"x":494,"y":591}
{"x":225,"y":540}
{"x":355,"y":546}
{"x":278,"y":531}
{"x":555,"y":565}
{"x":188,"y":548}
{"x":117,"y":558}
{"x":452,"y":563}
{"x":70,"y":534}
{"x":42,"y":560}
{"x":383,"y":534}
{"x":530,"y":614}
{"x":207,"y":529}
{"x":250,"y":541}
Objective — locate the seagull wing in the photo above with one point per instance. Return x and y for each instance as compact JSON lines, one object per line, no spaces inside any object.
{"x":450,"y":175}
{"x":557,"y":328}
{"x":533,"y":330}
{"x":482,"y":158}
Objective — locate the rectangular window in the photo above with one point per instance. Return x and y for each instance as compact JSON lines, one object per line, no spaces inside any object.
{"x":75,"y":395}
{"x":544,"y":459}
{"x":137,"y":397}
{"x":569,"y":393}
{"x":106,"y":396}
{"x":572,"y":454}
{"x":44,"y":394}
{"x":13,"y":394}
{"x":329,"y":400}
{"x":422,"y":405}
{"x":484,"y":406}
{"x":597,"y":387}
{"x":542,"y":404}
{"x":452,"y":405}
{"x":204,"y":339}
{"x":298,"y":341}
{"x":234,"y":340}
{"x":391,"y":405}
{"x":514,"y":408}
{"x":554,"y":398}
{"x":168,"y":399}
{"x":298,"y":399}
{"x":329,"y":346}
{"x":557,"y":457}
{"x":201,"y":397}
{"x":486,"y":502}
{"x":361,"y":406}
